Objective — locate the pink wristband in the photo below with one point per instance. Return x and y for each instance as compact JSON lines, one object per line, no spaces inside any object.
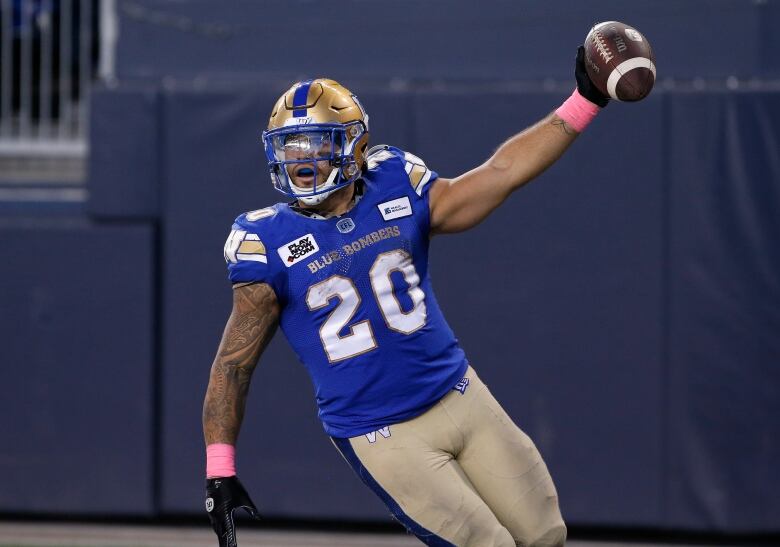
{"x":220,"y":460}
{"x":577,"y":111}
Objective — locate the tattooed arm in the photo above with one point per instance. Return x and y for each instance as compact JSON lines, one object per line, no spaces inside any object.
{"x":461,"y":203}
{"x":250,"y":327}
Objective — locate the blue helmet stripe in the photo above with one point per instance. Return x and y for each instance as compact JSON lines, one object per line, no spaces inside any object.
{"x":300,"y":99}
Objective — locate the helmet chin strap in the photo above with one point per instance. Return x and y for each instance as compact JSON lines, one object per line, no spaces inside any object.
{"x":319,"y":198}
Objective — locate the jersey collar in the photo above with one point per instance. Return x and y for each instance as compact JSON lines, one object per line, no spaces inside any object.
{"x":356,"y":197}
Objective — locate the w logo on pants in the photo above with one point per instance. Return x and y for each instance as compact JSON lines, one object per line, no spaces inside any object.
{"x":385,"y":432}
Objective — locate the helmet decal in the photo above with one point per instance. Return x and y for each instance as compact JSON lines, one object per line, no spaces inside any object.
{"x":300,"y":100}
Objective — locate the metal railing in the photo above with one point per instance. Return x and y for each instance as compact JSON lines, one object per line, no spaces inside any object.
{"x":50,"y":52}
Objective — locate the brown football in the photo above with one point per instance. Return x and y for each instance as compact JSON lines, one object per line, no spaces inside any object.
{"x":619,"y":61}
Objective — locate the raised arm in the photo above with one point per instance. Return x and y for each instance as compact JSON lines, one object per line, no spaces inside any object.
{"x":461,"y":203}
{"x":251,"y":326}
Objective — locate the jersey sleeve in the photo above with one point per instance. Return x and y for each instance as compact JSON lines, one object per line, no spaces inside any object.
{"x":246,"y":254}
{"x":411,"y":173}
{"x":400,"y":170}
{"x":420,"y":177}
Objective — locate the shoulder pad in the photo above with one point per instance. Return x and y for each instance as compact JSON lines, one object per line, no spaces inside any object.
{"x":244,"y":241}
{"x":242,"y":245}
{"x":378,"y":154}
{"x":418,"y":172}
{"x":254,"y":216}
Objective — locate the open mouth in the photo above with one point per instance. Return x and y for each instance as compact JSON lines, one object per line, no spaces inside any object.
{"x":304,"y":176}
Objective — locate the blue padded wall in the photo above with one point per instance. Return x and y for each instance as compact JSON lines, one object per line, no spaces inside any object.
{"x":724,"y":320}
{"x":437,"y":39}
{"x":123,"y":179}
{"x":76,"y":318}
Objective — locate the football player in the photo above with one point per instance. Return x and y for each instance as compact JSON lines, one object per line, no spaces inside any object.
{"x":343,"y":268}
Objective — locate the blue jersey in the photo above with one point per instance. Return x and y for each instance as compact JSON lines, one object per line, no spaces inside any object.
{"x":355,"y":296}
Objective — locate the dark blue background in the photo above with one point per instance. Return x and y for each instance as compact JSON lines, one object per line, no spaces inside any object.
{"x":624,"y":307}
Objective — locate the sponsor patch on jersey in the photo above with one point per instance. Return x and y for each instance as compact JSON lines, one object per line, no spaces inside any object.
{"x":297,"y":250}
{"x":396,"y":208}
{"x":345,"y":225}
{"x":461,"y":386}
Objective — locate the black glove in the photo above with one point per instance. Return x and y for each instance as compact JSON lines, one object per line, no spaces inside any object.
{"x":584,"y":85}
{"x":223,"y":496}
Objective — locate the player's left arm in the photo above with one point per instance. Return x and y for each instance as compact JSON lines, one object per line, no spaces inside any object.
{"x":463,"y":202}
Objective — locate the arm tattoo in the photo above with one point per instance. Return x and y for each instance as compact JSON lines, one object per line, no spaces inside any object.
{"x":250,"y":327}
{"x":564,"y":127}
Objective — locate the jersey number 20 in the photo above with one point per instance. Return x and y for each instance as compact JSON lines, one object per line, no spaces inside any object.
{"x":360,"y":338}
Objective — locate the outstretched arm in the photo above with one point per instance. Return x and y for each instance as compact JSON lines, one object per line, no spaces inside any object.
{"x":251,"y":326}
{"x":463,"y":202}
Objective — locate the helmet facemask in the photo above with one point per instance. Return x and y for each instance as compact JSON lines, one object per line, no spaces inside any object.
{"x":316,"y":140}
{"x":309,"y":162}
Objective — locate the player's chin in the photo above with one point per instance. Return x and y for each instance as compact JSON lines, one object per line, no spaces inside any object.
{"x":306,"y":183}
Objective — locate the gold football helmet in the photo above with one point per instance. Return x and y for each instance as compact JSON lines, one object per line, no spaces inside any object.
{"x":316,"y":140}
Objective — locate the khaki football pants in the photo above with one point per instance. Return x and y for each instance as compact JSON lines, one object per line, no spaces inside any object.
{"x":461,"y":474}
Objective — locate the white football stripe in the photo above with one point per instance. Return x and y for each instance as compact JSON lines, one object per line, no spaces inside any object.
{"x":423,"y":182}
{"x":378,"y":157}
{"x":231,"y":245}
{"x":252,"y":257}
{"x":623,"y":68}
